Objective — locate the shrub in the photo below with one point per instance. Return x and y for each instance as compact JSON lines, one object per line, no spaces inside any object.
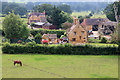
{"x":32,"y":47}
{"x":90,"y":40}
{"x":103,"y":40}
{"x":45,"y":31}
{"x":38,"y":36}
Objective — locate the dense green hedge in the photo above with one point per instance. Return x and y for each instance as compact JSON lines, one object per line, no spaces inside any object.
{"x":45,"y":31}
{"x":59,"y":49}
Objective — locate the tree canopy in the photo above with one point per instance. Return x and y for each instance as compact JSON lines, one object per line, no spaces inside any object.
{"x":109,"y":11}
{"x":58,"y":17}
{"x":8,"y":7}
{"x":14,"y":27}
{"x":47,"y":7}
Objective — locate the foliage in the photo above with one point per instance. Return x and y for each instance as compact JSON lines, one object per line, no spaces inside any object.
{"x":109,"y":11}
{"x":9,"y":7}
{"x":103,"y":40}
{"x":68,"y":49}
{"x":32,"y":24}
{"x":47,"y":7}
{"x":38,"y":36}
{"x":45,"y":31}
{"x":90,"y":40}
{"x":57,"y":17}
{"x":14,"y":27}
{"x":66,"y":25}
{"x":81,"y":18}
{"x":65,"y":8}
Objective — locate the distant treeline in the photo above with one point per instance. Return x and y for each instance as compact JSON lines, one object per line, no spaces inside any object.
{"x":21,"y":8}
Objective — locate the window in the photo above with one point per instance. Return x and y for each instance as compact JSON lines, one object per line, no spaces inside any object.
{"x":82,"y":32}
{"x":95,"y":27}
{"x":74,"y":39}
{"x":74,"y":33}
{"x":84,"y":39}
{"x":52,"y":39}
{"x":80,"y":37}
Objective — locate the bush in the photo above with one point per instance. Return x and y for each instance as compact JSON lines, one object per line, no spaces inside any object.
{"x":45,"y":31}
{"x":38,"y":36}
{"x":93,"y":40}
{"x":103,"y":40}
{"x":67,"y":49}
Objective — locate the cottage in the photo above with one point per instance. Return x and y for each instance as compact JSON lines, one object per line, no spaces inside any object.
{"x":36,"y":17}
{"x":99,"y":24}
{"x":51,"y":38}
{"x":77,"y":34}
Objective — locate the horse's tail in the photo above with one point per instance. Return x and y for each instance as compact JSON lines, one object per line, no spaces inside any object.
{"x":20,"y":63}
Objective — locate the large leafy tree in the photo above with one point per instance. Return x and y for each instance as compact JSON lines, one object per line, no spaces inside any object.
{"x":58,"y":17}
{"x":112,"y":12}
{"x":8,"y":7}
{"x":47,"y":7}
{"x":109,"y":11}
{"x":14,"y":27}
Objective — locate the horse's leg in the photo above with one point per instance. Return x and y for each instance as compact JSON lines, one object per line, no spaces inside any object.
{"x":14,"y":63}
{"x":20,"y":63}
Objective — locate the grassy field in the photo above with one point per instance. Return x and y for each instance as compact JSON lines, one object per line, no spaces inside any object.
{"x":59,"y":66}
{"x":85,"y":13}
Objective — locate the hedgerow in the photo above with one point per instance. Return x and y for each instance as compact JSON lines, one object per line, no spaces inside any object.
{"x":45,"y":31}
{"x":66,"y":49}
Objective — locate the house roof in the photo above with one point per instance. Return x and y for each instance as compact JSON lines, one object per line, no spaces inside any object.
{"x":51,"y":36}
{"x":97,"y":21}
{"x":72,"y":28}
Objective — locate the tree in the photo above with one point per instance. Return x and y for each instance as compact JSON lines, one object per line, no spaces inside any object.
{"x":47,"y":7}
{"x":14,"y":27}
{"x":109,"y":11}
{"x":9,"y":7}
{"x":65,"y":8}
{"x":66,"y":25}
{"x":38,"y":36}
{"x":80,"y":19}
{"x":112,"y":12}
{"x":57,"y":17}
{"x":103,"y":40}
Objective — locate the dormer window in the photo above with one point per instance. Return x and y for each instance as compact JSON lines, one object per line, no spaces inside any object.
{"x":74,"y":33}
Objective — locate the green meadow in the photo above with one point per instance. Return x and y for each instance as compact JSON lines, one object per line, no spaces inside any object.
{"x":85,"y":13}
{"x":60,"y":66}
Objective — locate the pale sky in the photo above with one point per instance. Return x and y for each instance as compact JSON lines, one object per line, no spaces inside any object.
{"x":59,"y":0}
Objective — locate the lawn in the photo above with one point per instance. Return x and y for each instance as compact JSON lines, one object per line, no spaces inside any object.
{"x":59,"y":66}
{"x":82,"y":13}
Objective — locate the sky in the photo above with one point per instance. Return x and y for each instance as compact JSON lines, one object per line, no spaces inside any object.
{"x":59,"y":0}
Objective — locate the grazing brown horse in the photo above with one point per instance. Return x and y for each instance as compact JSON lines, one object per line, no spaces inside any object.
{"x":17,"y":62}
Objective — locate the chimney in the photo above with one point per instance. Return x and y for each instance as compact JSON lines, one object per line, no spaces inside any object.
{"x":76,"y":21}
{"x":44,"y":12}
{"x":84,"y":22}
